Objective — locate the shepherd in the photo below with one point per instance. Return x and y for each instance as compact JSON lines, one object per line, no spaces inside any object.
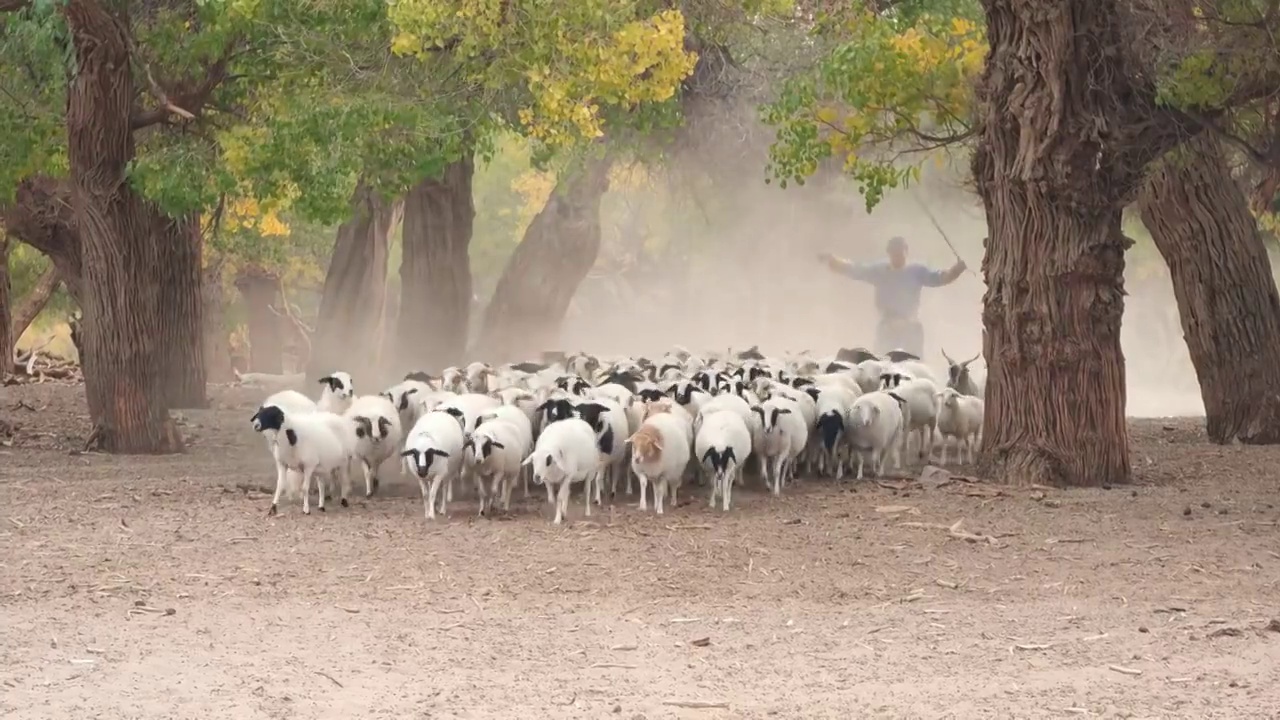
{"x":897,"y":291}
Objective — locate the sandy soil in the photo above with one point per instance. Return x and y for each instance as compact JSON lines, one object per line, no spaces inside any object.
{"x":156,"y":587}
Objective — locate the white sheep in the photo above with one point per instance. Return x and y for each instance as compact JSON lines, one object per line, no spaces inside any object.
{"x":611,"y":425}
{"x":478,"y":377}
{"x":722,"y":446}
{"x":406,"y":396}
{"x":834,"y":405}
{"x":565,"y":453}
{"x":337,"y":393}
{"x":517,"y":416}
{"x":433,"y":451}
{"x":920,"y":412}
{"x":782,"y":438}
{"x":307,"y":443}
{"x":494,"y":452}
{"x":875,"y":428}
{"x":660,"y":453}
{"x":379,"y":435}
{"x":959,"y":417}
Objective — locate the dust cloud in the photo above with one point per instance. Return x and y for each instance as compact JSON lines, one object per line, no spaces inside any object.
{"x":751,"y":277}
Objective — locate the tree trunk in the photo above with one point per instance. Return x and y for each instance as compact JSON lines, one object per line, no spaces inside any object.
{"x":558,"y":250}
{"x":1058,"y":155}
{"x":261,"y":292}
{"x":181,"y":311}
{"x":8,"y":337}
{"x":435,"y":273}
{"x":33,"y":302}
{"x":121,"y":248}
{"x":349,"y":324}
{"x":1200,"y":221}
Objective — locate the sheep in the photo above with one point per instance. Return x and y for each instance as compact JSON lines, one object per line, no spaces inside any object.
{"x":337,"y":393}
{"x":495,"y":451}
{"x":611,"y":424}
{"x":960,"y":417}
{"x":519,"y":417}
{"x":921,"y":410}
{"x":315,"y":442}
{"x":660,"y":453}
{"x":290,"y":401}
{"x":960,"y":378}
{"x":834,"y":405}
{"x":783,"y":437}
{"x":478,"y":375}
{"x":722,"y":445}
{"x":433,"y":450}
{"x":379,"y":434}
{"x":875,"y":426}
{"x":565,"y":453}
{"x":913,"y":368}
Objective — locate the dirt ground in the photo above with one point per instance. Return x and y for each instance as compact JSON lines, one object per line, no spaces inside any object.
{"x":157,"y":587}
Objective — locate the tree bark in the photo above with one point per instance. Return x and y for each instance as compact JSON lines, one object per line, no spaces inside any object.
{"x":33,"y":302}
{"x":180,"y":313}
{"x":1200,"y":221}
{"x":1066,"y":133}
{"x":558,"y":250}
{"x":261,"y":292}
{"x":122,"y":246}
{"x":349,"y":324}
{"x":216,"y":341}
{"x":42,"y":217}
{"x":8,"y":337}
{"x":435,"y":273}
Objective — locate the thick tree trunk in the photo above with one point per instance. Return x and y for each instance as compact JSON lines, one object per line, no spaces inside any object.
{"x":349,"y":325}
{"x":33,"y":302}
{"x":178,"y":282}
{"x":121,"y":250}
{"x":435,"y":273}
{"x":7,"y":335}
{"x":542,"y":276}
{"x":216,"y":341}
{"x":261,"y":292}
{"x":1060,"y":151}
{"x":1200,"y":221}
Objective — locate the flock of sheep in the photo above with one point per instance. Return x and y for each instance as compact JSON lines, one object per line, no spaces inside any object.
{"x":596,"y":421}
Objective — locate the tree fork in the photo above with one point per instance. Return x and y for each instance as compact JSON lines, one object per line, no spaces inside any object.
{"x":1200,"y":221}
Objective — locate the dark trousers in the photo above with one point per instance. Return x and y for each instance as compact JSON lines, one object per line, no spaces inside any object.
{"x":895,"y":334}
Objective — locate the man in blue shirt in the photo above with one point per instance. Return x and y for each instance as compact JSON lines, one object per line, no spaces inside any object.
{"x":897,"y":292}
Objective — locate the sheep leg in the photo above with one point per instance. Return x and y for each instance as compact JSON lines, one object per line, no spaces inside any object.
{"x":282,"y":479}
{"x":943,"y":452}
{"x":369,"y":485}
{"x":644,"y":483}
{"x":727,"y":488}
{"x":429,"y":496}
{"x":562,"y":502}
{"x":551,"y":498}
{"x":306,"y":490}
{"x":593,"y":480}
{"x":659,"y":493}
{"x":776,"y":471}
{"x":716,"y":489}
{"x":508,"y":482}
{"x":481,"y":491}
{"x":675,"y":502}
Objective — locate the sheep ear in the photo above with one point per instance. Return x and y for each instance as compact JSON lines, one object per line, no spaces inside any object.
{"x":326,"y":380}
{"x":411,"y":391}
{"x":441,"y":453}
{"x":407,"y":453}
{"x":898,"y":397}
{"x":783,"y":411}
{"x":528,"y":460}
{"x":497,"y":444}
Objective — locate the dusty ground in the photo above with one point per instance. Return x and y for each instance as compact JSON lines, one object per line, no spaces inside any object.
{"x":1147,"y":601}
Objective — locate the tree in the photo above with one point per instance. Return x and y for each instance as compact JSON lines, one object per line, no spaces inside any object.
{"x":353,"y":301}
{"x":565,"y":73}
{"x":558,"y":250}
{"x":840,"y":112}
{"x":7,"y":338}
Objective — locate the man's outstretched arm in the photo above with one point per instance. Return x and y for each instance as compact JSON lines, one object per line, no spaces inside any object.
{"x":857,"y":271}
{"x":938,"y":278}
